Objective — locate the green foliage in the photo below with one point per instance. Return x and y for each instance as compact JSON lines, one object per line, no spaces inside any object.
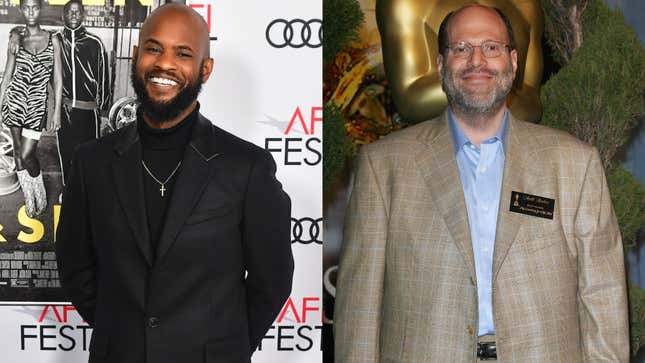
{"x":337,"y":148}
{"x":636,"y":317}
{"x":341,"y":22}
{"x":598,"y":95}
{"x":628,"y":198}
{"x":562,"y":27}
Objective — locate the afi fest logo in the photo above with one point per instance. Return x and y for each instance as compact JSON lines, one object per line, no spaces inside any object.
{"x":298,"y":150}
{"x":58,"y":328}
{"x":297,"y":328}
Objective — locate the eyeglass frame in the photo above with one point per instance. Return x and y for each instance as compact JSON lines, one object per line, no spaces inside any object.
{"x":471,"y":48}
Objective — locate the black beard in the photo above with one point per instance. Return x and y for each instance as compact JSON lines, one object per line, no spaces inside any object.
{"x":167,"y":110}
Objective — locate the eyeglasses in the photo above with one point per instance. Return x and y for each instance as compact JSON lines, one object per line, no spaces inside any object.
{"x":489,"y":48}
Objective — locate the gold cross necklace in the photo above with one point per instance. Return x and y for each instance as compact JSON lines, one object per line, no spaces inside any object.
{"x":163,"y":189}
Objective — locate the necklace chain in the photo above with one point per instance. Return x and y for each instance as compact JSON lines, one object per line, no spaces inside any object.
{"x":163,"y":189}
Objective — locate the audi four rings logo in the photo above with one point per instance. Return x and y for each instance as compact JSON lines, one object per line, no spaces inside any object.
{"x":296,"y":33}
{"x":306,"y":230}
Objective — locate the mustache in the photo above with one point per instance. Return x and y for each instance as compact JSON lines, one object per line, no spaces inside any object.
{"x":477,"y":70}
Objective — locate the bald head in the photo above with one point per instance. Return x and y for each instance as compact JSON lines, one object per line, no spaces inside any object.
{"x":177,"y":17}
{"x":469,"y":15}
{"x":170,"y":64}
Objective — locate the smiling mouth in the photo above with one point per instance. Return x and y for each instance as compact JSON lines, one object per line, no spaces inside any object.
{"x":478,"y":77}
{"x":163,"y":81}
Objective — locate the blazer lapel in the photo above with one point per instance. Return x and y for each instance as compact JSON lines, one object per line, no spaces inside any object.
{"x":516,"y":178}
{"x":438,"y":166}
{"x":128,"y":180}
{"x":193,"y":176}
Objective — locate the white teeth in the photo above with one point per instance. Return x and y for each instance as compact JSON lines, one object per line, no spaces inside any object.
{"x":164,"y":81}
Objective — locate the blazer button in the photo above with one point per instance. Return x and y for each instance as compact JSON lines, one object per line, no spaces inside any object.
{"x":153,"y":322}
{"x":471,"y":330}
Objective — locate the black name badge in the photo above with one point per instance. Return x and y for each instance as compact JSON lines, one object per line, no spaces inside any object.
{"x":532,"y":205}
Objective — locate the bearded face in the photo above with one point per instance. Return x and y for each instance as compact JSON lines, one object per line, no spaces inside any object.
{"x":166,"y":105}
{"x":476,"y":89}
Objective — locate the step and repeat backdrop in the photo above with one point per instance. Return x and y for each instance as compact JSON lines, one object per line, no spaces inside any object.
{"x":265,"y":87}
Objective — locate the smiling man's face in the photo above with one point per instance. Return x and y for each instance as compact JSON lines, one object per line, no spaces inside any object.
{"x":477,"y":84}
{"x":171,"y":63}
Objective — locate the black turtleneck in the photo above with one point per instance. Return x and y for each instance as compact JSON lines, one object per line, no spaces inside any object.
{"x":162,"y":150}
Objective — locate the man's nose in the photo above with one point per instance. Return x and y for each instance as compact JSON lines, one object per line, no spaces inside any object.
{"x":477,"y":57}
{"x":165,"y":60}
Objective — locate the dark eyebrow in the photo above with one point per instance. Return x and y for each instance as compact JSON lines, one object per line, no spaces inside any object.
{"x":151,"y":40}
{"x":185,"y":47}
{"x":179,"y":47}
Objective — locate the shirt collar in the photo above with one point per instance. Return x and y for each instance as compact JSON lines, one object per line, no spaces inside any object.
{"x":459,"y":139}
{"x":79,"y":31}
{"x":175,"y":136}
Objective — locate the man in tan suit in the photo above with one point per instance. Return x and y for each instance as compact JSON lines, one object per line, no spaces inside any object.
{"x":477,"y":236}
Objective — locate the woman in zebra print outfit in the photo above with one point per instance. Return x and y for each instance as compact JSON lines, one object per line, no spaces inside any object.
{"x":23,"y":92}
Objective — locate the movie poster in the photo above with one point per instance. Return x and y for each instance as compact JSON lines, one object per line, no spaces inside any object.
{"x":95,"y":91}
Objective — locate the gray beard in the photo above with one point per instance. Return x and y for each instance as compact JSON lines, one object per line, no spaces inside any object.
{"x":473,"y":107}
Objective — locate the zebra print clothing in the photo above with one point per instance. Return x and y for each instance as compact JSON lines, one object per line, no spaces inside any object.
{"x":25,"y":100}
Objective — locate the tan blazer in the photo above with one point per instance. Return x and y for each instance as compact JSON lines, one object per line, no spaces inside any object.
{"x":406,"y":289}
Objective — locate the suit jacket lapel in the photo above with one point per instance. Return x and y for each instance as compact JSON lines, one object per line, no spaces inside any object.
{"x":193,"y":176}
{"x":516,"y":178}
{"x":128,"y":180}
{"x":438,"y":166}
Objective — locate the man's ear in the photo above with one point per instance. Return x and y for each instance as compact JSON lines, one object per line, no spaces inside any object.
{"x":514,"y":61}
{"x":207,"y":69}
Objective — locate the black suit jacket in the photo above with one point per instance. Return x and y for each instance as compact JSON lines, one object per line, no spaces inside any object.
{"x":223,"y":266}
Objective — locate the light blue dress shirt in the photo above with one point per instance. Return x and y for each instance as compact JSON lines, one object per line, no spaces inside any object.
{"x":481,"y":170}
